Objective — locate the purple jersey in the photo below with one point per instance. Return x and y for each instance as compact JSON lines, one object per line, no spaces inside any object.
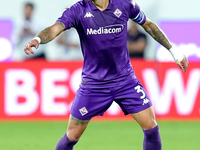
{"x":103,"y":37}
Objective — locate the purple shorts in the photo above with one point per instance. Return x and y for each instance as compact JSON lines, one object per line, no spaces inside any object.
{"x":90,"y":102}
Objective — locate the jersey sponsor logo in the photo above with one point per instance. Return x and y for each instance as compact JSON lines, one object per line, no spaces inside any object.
{"x":88,"y":15}
{"x":83,"y":111}
{"x":106,"y":30}
{"x":117,"y":13}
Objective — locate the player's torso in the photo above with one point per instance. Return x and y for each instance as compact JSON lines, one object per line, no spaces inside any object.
{"x":103,"y":27}
{"x":103,"y":36}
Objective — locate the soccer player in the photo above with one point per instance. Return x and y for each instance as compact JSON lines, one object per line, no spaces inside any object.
{"x":107,"y":74}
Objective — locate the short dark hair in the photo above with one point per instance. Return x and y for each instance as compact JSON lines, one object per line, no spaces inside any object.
{"x":29,"y":4}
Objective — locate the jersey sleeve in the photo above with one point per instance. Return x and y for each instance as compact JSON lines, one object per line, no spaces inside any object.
{"x":136,"y":14}
{"x":68,"y":18}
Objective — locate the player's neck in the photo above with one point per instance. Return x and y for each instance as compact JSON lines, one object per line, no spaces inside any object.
{"x":101,"y":4}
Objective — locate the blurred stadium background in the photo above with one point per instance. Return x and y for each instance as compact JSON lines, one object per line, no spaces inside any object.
{"x":36,"y":94}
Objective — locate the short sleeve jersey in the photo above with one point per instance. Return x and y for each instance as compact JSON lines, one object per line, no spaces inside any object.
{"x":103,"y":38}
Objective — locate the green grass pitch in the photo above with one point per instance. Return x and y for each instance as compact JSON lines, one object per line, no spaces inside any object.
{"x":99,"y":135}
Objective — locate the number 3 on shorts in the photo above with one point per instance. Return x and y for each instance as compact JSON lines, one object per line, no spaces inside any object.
{"x":139,"y":90}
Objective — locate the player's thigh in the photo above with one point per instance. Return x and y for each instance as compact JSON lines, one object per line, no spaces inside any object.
{"x":90,"y":102}
{"x":132,"y":97}
{"x":134,"y":100}
{"x":146,"y":118}
{"x":76,"y":127}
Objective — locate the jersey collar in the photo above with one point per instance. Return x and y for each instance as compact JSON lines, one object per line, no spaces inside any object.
{"x":93,"y":7}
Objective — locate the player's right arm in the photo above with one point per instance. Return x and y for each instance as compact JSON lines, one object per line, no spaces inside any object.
{"x":45,"y":36}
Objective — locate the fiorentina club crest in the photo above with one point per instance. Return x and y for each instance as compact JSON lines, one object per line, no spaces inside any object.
{"x":117,"y":13}
{"x":83,"y":111}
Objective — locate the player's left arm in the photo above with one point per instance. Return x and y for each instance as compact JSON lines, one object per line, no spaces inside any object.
{"x":153,"y":30}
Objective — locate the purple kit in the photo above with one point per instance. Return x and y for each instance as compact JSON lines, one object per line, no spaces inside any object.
{"x":90,"y":102}
{"x":107,"y":73}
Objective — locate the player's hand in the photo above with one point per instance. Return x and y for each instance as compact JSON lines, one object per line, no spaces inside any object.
{"x":183,"y":65}
{"x":28,"y":47}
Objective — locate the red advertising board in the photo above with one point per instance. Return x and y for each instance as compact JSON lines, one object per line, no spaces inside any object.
{"x":40,"y":90}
